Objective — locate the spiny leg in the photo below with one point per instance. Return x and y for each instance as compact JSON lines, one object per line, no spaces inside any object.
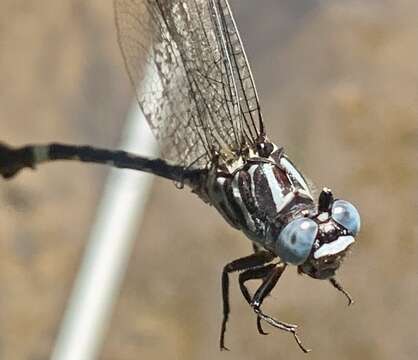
{"x":254,"y":274}
{"x":339,"y":287}
{"x":257,"y":248}
{"x":255,"y":260}
{"x":262,"y":292}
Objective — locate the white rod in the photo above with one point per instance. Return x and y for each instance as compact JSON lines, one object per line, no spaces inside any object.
{"x":103,"y":266}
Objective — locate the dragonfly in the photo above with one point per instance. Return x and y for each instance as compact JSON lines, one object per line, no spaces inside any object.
{"x":196,"y":90}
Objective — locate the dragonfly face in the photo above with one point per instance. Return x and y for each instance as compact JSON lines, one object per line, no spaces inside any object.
{"x":335,"y":233}
{"x":318,"y":242}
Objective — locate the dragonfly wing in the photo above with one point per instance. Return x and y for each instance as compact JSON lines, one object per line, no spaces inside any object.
{"x":183,"y":76}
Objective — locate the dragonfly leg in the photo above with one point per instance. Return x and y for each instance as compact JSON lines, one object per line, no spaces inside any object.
{"x":252,"y":261}
{"x":262,"y":292}
{"x":339,"y":287}
{"x":254,"y":274}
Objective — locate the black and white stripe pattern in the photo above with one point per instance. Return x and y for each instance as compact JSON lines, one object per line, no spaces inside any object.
{"x":258,"y":193}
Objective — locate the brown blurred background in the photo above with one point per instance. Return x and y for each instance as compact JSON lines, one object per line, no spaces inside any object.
{"x":338,"y":81}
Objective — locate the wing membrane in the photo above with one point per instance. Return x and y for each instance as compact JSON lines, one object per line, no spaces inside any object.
{"x":230,"y":39}
{"x":191,"y":76}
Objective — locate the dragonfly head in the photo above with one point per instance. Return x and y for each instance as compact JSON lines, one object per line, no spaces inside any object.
{"x":319,"y":243}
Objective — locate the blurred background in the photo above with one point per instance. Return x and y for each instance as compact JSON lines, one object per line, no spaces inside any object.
{"x":338,"y":82}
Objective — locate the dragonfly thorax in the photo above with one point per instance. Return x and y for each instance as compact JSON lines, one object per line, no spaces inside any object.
{"x":261,"y":192}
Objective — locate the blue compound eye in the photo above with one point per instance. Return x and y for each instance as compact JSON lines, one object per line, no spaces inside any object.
{"x":295,"y":240}
{"x":346,"y":215}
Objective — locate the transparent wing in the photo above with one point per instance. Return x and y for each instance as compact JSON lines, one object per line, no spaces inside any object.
{"x":230,"y":41}
{"x":179,"y":57}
